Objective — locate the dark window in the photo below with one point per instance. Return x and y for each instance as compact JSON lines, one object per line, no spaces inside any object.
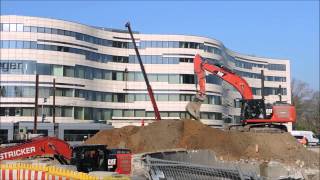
{"x":40,"y":29}
{"x":187,"y":78}
{"x":26,"y":29}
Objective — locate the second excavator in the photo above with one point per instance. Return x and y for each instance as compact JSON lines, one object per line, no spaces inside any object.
{"x":253,"y":111}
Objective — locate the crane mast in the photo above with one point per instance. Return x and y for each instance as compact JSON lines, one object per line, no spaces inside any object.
{"x":149,"y":88}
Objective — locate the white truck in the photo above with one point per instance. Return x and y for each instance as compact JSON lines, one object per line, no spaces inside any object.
{"x":309,"y":135}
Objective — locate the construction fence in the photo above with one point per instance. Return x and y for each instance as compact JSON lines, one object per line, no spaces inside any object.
{"x":159,"y":169}
{"x":45,"y":172}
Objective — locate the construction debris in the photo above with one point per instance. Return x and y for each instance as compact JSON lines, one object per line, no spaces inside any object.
{"x":227,"y":145}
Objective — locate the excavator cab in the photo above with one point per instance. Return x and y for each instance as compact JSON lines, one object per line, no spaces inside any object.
{"x":89,"y":158}
{"x":253,"y":109}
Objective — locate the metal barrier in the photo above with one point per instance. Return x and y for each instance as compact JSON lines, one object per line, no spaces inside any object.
{"x":174,"y":170}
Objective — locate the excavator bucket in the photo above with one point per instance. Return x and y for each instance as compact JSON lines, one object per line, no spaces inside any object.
{"x":193,"y":108}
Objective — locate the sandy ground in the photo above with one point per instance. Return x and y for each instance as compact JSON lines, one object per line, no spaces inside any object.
{"x":188,"y":134}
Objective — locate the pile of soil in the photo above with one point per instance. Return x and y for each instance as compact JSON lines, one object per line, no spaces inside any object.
{"x":188,"y":134}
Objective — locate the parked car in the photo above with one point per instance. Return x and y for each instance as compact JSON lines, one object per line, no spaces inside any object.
{"x":302,"y":140}
{"x":309,"y":135}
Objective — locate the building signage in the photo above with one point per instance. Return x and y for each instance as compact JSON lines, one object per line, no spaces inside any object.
{"x":11,"y":66}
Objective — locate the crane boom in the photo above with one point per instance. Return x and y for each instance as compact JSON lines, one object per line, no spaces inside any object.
{"x":149,"y":88}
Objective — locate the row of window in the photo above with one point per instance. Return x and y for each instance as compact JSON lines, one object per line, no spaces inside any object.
{"x":85,"y":72}
{"x":155,"y":59}
{"x":6,"y":27}
{"x":89,"y":55}
{"x":104,"y":58}
{"x":146,"y":59}
{"x":179,"y":44}
{"x":45,"y":92}
{"x":249,"y":65}
{"x":258,"y":76}
{"x":270,"y":91}
{"x":85,"y":113}
{"x":13,"y":27}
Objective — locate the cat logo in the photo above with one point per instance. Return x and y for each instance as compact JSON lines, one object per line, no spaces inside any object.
{"x":219,"y":73}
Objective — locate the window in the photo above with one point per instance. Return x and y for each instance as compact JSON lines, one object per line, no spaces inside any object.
{"x":66,"y":112}
{"x":278,"y":67}
{"x":47,"y":30}
{"x":20,"y":27}
{"x":173,"y":97}
{"x":150,"y":114}
{"x":174,"y":114}
{"x":26,"y":44}
{"x":138,"y":76}
{"x":106,"y":114}
{"x":128,"y":113}
{"x":117,"y":76}
{"x":6,"y":27}
{"x":68,"y":71}
{"x":33,"y":45}
{"x":117,"y":113}
{"x":33,"y":29}
{"x":54,"y":31}
{"x":13,"y":27}
{"x":162,"y":97}
{"x":5,"y":44}
{"x":44,"y":69}
{"x":163,"y":78}
{"x":40,"y":29}
{"x":213,"y":80}
{"x":140,"y":113}
{"x":27,"y":112}
{"x":174,"y":79}
{"x":140,"y":97}
{"x":88,"y":113}
{"x":19,"y":44}
{"x":57,"y":70}
{"x":12,"y":44}
{"x":187,"y":78}
{"x":186,"y":60}
{"x":78,"y":112}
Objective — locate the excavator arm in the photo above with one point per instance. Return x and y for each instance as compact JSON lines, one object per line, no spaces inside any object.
{"x":224,"y":73}
{"x":42,"y":146}
{"x":200,"y":68}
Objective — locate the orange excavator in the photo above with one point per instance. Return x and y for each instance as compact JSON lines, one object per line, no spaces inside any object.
{"x":253,"y":111}
{"x":86,"y":158}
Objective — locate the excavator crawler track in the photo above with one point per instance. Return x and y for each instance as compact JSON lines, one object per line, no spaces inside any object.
{"x":258,"y":128}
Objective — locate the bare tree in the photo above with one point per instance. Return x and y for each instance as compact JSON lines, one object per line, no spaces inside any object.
{"x":307,"y":105}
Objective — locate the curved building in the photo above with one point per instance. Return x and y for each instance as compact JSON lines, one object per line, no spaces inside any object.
{"x":98,"y":78}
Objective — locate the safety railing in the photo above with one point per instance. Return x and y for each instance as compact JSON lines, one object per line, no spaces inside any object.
{"x":44,"y":172}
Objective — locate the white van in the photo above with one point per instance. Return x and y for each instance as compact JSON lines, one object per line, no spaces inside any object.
{"x":311,"y":138}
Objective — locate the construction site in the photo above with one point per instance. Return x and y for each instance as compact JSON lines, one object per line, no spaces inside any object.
{"x":188,"y":149}
{"x":259,"y":147}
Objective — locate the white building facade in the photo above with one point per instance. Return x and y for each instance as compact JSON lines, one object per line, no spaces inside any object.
{"x":98,"y":78}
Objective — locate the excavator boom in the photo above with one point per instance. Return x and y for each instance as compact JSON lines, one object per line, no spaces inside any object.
{"x":41,"y":146}
{"x":225,"y":74}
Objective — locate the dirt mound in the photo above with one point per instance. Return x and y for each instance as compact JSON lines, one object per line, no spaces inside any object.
{"x":229,"y":145}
